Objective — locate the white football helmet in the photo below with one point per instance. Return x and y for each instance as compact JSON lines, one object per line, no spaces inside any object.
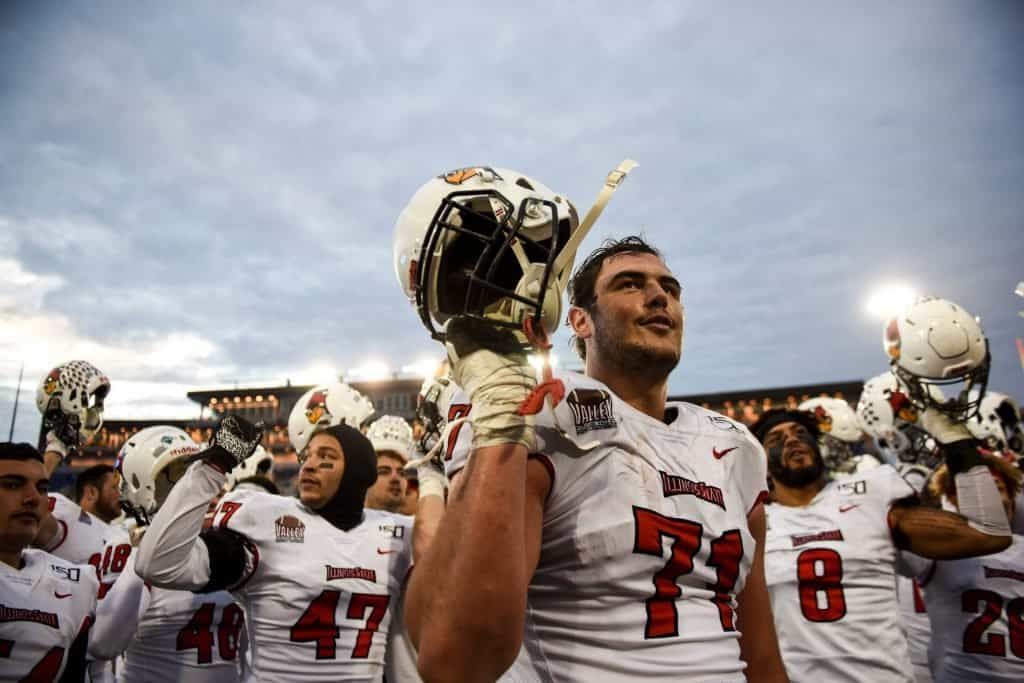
{"x":839,"y":429}
{"x":889,"y":417}
{"x":70,"y":398}
{"x":326,"y":405}
{"x":391,"y":433}
{"x":150,"y":461}
{"x":998,"y":423}
{"x":259,"y":463}
{"x":483,"y":242}
{"x":935,"y":343}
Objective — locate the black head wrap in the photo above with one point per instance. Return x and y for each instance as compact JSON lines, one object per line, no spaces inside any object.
{"x":345,"y":509}
{"x":773,"y":418}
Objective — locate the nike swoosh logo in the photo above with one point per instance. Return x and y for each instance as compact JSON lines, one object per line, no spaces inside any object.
{"x":385,"y":552}
{"x":847,"y":508}
{"x":721,"y":454}
{"x":61,"y":597}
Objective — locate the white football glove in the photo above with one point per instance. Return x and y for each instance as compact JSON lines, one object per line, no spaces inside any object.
{"x":942,"y":427}
{"x":490,"y":365}
{"x":55,"y":445}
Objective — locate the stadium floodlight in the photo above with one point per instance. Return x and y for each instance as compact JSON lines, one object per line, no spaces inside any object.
{"x":422,"y":367}
{"x":368,"y":372}
{"x":889,"y":300}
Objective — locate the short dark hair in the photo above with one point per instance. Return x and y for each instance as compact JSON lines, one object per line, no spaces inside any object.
{"x":19,"y":451}
{"x":584,"y":281}
{"x":92,"y":476}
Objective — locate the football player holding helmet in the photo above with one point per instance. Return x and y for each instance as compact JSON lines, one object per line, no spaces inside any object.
{"x":320,"y":574}
{"x":934,"y":344}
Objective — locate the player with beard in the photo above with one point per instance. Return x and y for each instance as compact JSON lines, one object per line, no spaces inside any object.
{"x":318,"y":576}
{"x":832,"y":549}
{"x":614,"y":534}
{"x":46,"y":604}
{"x":97,"y":492}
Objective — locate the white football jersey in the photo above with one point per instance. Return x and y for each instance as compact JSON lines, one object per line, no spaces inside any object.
{"x":314,"y":593}
{"x":644,"y":542}
{"x":44,"y":606}
{"x":976,"y":606}
{"x":831,"y":573}
{"x":83,"y":538}
{"x":916,"y":625}
{"x":179,"y":635}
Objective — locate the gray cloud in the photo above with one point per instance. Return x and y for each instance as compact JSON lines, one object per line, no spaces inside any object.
{"x":234,"y":170}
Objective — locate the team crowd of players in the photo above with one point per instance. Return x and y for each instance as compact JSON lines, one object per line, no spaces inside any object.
{"x":564,"y":526}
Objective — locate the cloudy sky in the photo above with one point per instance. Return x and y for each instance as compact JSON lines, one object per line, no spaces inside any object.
{"x":196,"y":194}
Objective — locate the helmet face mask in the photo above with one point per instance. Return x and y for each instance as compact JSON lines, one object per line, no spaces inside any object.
{"x":485,"y":251}
{"x":936,"y":348}
{"x":968,"y":389}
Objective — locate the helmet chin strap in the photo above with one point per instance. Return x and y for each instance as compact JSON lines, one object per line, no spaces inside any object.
{"x":549,"y":390}
{"x":568,"y":253}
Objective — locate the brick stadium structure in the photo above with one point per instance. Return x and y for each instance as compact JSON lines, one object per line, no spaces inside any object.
{"x":397,"y":396}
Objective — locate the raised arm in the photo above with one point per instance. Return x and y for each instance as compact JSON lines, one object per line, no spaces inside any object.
{"x":118,"y":614}
{"x":759,"y":644}
{"x":981,"y":528}
{"x":940,"y":535}
{"x":466,"y":601}
{"x":172,"y":554}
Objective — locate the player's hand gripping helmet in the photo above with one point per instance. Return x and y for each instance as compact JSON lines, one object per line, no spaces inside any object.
{"x":70,"y":398}
{"x":391,"y":433}
{"x":259,"y":463}
{"x":150,"y":462}
{"x":323,"y":406}
{"x":935,"y":343}
{"x":839,"y":429}
{"x":490,"y":243}
{"x":998,"y":423}
{"x":891,"y":419}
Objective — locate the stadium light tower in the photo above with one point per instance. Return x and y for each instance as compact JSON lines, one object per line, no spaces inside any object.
{"x":888,"y":300}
